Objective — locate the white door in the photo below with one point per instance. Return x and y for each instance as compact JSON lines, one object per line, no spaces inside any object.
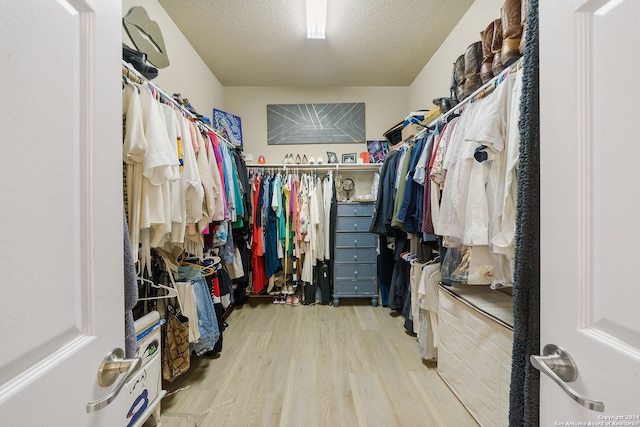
{"x":590,"y":205}
{"x":61,"y":248}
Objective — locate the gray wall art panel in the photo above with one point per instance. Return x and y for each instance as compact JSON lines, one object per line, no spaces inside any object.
{"x":315,"y":123}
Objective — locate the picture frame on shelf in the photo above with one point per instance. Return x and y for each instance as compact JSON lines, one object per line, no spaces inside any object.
{"x":349,"y":158}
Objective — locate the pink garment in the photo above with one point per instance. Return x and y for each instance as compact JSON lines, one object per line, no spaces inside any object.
{"x":219,"y":159}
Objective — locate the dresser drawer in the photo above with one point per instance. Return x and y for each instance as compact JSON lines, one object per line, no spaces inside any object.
{"x":356,"y":256}
{"x":355,"y":288}
{"x":356,"y":240}
{"x":353,"y":223}
{"x":356,"y":209}
{"x":354,"y":272}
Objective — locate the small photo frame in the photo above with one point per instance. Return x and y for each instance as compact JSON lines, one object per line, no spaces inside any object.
{"x":349,"y":158}
{"x":332,"y":157}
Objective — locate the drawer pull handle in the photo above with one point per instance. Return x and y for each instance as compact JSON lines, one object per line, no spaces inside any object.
{"x":355,"y":243}
{"x":355,"y":212}
{"x":355,"y":226}
{"x":355,"y":257}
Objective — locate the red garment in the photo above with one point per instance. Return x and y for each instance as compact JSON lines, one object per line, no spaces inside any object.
{"x":256,"y":244}
{"x":216,"y":286}
{"x":259,"y":276}
{"x":260,"y":279}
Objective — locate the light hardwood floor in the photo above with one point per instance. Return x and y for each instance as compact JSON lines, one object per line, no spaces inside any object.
{"x":313,"y":366}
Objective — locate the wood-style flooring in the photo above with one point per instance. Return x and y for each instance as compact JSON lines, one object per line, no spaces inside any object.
{"x":313,"y":366}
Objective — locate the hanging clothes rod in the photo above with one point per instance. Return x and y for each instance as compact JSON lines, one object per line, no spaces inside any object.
{"x":480,"y":93}
{"x":133,"y":74}
{"x":325,"y":166}
{"x":126,"y":72}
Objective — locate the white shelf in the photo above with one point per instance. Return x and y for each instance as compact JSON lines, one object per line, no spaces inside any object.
{"x":323,"y":166}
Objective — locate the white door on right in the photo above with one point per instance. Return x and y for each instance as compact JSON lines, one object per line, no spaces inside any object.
{"x":590,"y":207}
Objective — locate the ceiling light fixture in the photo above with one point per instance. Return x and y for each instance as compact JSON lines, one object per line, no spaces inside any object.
{"x":316,"y":18}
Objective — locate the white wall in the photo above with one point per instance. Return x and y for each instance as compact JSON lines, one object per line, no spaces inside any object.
{"x":186,"y":74}
{"x":384,"y":107}
{"x":434,"y":79}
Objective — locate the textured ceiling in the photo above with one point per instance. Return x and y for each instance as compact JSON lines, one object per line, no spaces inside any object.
{"x":263,"y":42}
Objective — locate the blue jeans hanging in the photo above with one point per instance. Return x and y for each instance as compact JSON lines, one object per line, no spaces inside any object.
{"x":207,"y":320}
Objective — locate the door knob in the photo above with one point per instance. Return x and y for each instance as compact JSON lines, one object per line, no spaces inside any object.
{"x":560,"y":367}
{"x":112,"y":366}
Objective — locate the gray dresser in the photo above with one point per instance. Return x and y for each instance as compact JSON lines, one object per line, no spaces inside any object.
{"x":355,"y":273}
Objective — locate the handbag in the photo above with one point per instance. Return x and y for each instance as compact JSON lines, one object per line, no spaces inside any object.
{"x":175,"y":345}
{"x":176,"y":358}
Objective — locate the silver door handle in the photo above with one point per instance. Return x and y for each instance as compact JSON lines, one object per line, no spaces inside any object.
{"x":112,"y":366}
{"x":560,"y":367}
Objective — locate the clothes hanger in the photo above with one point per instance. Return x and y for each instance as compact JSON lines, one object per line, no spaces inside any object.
{"x":202,"y":271}
{"x":216,"y":259}
{"x":171,"y":292}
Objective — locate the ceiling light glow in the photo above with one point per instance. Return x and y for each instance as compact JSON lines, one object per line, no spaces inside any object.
{"x":316,"y":18}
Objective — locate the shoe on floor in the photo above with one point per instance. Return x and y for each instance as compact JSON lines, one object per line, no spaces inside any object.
{"x":289,"y":300}
{"x":295,"y":301}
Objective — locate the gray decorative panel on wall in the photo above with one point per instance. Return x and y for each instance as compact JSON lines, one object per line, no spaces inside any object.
{"x":315,"y":123}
